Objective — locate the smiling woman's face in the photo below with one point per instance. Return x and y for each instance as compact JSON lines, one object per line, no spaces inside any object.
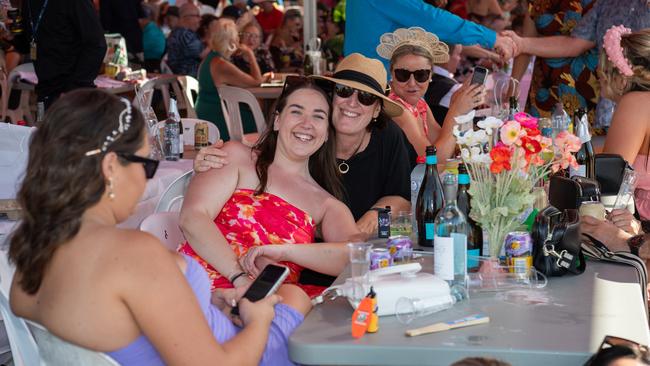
{"x":410,"y":90}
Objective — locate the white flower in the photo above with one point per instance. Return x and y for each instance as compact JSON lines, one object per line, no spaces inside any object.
{"x":490,"y":123}
{"x":465,"y":118}
{"x":465,"y":154}
{"x":480,"y":137}
{"x":456,"y":132}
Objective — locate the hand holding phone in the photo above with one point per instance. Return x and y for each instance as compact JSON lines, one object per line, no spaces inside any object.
{"x":480,"y":75}
{"x":265,"y":284}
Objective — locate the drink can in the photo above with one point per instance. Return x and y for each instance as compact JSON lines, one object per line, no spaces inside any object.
{"x":200,"y":135}
{"x":519,"y":252}
{"x":400,"y":248}
{"x":380,"y":258}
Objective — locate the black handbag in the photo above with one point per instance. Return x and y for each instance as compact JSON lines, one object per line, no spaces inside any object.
{"x":609,"y":172}
{"x":568,"y":193}
{"x":556,"y":242}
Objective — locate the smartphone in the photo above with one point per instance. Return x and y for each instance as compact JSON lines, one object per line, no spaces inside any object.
{"x":265,"y":284}
{"x":480,"y":75}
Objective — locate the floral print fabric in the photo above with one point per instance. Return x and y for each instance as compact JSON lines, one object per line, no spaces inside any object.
{"x":570,"y":80}
{"x":419,"y":110}
{"x":249,"y":220}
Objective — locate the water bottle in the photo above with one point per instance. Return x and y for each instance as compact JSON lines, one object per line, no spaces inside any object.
{"x":450,"y":240}
{"x":560,"y":119}
{"x":416,"y":180}
{"x":172,"y":133}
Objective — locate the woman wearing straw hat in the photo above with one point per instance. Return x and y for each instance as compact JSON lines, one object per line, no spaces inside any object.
{"x":370,"y":148}
{"x":412,"y":53}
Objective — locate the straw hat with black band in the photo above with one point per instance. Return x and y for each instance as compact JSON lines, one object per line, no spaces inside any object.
{"x":365,"y":74}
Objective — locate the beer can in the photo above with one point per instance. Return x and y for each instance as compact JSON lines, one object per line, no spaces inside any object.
{"x":519,"y":252}
{"x":200,"y":135}
{"x":380,"y":258}
{"x":400,"y":248}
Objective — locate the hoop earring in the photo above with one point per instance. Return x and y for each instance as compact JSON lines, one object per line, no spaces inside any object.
{"x":111,"y":193}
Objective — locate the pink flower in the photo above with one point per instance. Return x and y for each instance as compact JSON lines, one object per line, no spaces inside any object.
{"x":567,"y":142}
{"x":510,"y":132}
{"x":526,"y":120}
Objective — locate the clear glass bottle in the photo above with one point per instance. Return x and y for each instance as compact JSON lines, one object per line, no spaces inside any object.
{"x":474,"y":233}
{"x":450,"y":242}
{"x":585,"y":156}
{"x":417,"y":175}
{"x":172,"y":142}
{"x":430,"y":200}
{"x":408,"y":309}
{"x":560,"y":119}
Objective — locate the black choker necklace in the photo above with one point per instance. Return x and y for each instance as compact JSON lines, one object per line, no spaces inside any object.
{"x":343,"y":165}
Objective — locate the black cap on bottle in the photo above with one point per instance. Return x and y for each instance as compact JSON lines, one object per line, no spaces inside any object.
{"x":431,"y":150}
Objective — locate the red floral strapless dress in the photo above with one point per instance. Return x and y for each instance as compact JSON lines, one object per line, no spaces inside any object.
{"x":249,"y":220}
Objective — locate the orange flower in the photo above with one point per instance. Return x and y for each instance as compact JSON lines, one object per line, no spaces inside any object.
{"x":500,"y":159}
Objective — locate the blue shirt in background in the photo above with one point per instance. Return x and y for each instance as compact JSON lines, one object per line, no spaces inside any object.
{"x":367,"y":20}
{"x":153,"y":42}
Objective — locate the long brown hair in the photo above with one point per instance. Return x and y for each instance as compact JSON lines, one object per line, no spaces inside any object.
{"x":322,"y":164}
{"x":61,"y":182}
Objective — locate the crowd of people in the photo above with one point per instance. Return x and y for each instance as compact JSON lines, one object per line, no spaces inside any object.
{"x":337,"y":147}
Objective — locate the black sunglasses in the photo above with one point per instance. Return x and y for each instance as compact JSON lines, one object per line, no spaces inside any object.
{"x":403,"y":75}
{"x":364,"y":97}
{"x":150,"y":165}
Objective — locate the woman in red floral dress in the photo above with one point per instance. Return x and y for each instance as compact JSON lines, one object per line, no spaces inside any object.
{"x":272,"y":202}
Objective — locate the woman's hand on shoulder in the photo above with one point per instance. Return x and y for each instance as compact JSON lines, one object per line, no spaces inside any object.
{"x":210,"y":157}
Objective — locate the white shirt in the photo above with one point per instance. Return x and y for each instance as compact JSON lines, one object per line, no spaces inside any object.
{"x":444,"y":101}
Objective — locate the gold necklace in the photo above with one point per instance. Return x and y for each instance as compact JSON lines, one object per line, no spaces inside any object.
{"x":343,"y":165}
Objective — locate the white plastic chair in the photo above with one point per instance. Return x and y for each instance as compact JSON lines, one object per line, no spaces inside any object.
{"x":172,"y":198}
{"x":188,"y":130}
{"x":231,"y":97}
{"x":55,"y":351}
{"x":190,"y":87}
{"x":164,"y":226}
{"x":23,"y":346}
{"x":24,"y":110}
{"x":144,"y":94}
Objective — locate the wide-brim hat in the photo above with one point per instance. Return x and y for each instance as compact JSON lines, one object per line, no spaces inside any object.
{"x":366,"y":74}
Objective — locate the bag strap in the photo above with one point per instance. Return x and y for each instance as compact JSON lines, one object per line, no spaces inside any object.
{"x":599,"y":251}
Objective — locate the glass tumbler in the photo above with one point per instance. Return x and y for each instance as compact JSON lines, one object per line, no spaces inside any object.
{"x":359,"y":267}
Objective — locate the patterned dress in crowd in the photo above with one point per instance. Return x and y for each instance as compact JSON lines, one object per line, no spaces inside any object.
{"x":248,"y":220}
{"x":571,"y":80}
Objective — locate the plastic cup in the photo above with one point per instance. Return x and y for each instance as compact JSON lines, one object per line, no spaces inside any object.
{"x":402,"y":224}
{"x":593,"y":209}
{"x":359,"y":267}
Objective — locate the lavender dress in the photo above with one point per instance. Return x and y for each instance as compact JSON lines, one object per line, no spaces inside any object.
{"x":142,"y":353}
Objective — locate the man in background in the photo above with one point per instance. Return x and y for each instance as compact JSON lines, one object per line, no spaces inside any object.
{"x":69,"y":45}
{"x":184,"y":47}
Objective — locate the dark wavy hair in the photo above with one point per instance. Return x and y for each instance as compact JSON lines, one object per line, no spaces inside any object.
{"x":322,"y":164}
{"x":61,"y":182}
{"x":204,"y":25}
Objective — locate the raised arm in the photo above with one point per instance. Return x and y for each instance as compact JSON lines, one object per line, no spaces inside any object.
{"x":206,"y":195}
{"x":629,"y":126}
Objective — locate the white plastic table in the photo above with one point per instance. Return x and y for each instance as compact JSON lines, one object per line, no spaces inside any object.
{"x":557,"y":325}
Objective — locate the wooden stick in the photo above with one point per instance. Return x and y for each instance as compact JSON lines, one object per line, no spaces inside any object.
{"x":475,"y":319}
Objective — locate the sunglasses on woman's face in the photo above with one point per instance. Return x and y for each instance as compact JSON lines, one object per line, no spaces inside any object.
{"x":364,"y":98}
{"x":150,"y":165}
{"x":403,"y":75}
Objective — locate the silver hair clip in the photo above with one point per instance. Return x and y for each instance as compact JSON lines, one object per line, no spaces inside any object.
{"x":124,"y":122}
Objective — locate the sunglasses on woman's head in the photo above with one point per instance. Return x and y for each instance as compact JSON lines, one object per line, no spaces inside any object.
{"x":150,"y":165}
{"x":364,"y":98}
{"x":293,"y":82}
{"x":403,"y":75}
{"x":639,"y":349}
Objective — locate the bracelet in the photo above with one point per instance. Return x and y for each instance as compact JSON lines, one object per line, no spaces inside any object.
{"x":235,"y":277}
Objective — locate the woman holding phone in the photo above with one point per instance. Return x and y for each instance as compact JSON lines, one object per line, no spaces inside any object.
{"x":115,"y":290}
{"x":413,"y":52}
{"x":268,"y":198}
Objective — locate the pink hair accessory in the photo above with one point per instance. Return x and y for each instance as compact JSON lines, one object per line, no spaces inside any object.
{"x":614,"y":51}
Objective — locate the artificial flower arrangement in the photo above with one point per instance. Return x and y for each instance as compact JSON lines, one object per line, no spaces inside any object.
{"x":505,"y":161}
